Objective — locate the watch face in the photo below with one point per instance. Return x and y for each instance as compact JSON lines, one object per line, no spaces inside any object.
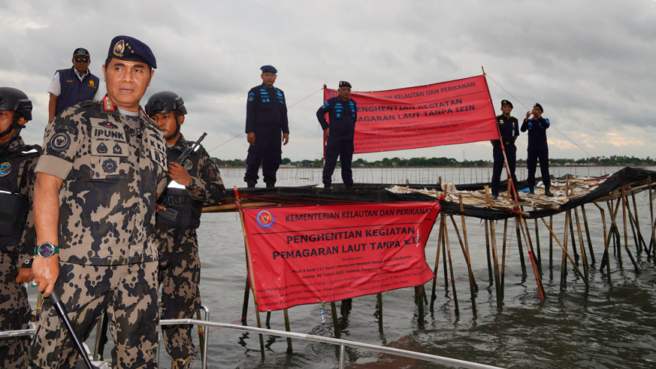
{"x":46,"y":250}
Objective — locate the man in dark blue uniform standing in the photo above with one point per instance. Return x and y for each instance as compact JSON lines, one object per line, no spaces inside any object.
{"x":266,"y":117}
{"x":537,"y":148}
{"x":509,"y":131}
{"x":343,"y":114}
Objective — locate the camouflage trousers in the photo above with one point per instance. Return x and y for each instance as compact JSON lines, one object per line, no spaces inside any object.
{"x":15,"y":312}
{"x":127,"y":292}
{"x":179,"y":276}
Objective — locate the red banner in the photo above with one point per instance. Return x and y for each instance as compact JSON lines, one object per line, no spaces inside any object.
{"x":446,"y":113}
{"x":309,"y":254}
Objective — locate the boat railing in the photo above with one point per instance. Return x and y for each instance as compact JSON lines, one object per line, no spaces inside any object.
{"x":300,"y":336}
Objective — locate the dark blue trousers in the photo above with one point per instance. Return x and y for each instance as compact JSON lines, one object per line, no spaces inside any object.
{"x":511,"y":155}
{"x":266,"y":151}
{"x":344,"y":150}
{"x":531,"y":165}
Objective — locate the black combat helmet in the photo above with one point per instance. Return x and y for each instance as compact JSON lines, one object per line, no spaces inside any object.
{"x":13,"y":99}
{"x":163,"y":102}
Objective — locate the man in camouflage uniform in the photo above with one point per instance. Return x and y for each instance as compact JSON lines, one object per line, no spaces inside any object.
{"x":102,"y":168}
{"x":189,"y":186}
{"x":17,"y":236}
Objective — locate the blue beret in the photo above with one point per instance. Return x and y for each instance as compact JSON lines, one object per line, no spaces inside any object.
{"x":344,"y":84}
{"x":268,"y":69}
{"x":538,"y":106}
{"x":81,"y":52}
{"x":130,"y":49}
{"x":506,"y":102}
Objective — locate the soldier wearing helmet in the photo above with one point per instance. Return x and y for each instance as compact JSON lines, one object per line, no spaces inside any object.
{"x":17,"y":236}
{"x":191,"y":185}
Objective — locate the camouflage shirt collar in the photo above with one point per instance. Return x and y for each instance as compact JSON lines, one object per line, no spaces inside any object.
{"x":181,"y":144}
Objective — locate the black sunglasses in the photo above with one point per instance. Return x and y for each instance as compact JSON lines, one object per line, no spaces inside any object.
{"x":81,"y":60}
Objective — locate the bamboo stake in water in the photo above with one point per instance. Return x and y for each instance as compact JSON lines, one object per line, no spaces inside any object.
{"x":587,"y":233}
{"x":521,"y":250}
{"x":563,"y":269}
{"x":437,"y":262}
{"x":564,"y":248}
{"x":626,"y":233}
{"x":537,"y":243}
{"x":503,"y":256}
{"x":606,"y":242}
{"x":583,"y":256}
{"x":497,"y":277}
{"x":637,"y":222}
{"x":550,"y":249}
{"x":453,"y":278}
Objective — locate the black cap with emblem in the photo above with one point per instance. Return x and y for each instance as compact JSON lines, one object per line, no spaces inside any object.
{"x":344,"y":84}
{"x":506,"y":102}
{"x":81,"y":52}
{"x":268,"y":69}
{"x":538,"y":106}
{"x":130,"y":49}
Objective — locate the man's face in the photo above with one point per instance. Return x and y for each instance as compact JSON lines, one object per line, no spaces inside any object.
{"x":506,"y":109}
{"x":166,"y":122}
{"x":269,"y":79}
{"x":537,"y":112}
{"x":6,"y":117}
{"x":127,"y":82}
{"x":344,"y":93}
{"x":81,"y":64}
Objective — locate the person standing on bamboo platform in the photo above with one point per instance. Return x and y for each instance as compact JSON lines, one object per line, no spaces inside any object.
{"x":189,"y":186}
{"x":17,"y":236}
{"x":266,"y":118}
{"x":537,"y":148}
{"x":343,"y":114}
{"x":72,"y":86}
{"x":102,"y":168}
{"x":509,"y":131}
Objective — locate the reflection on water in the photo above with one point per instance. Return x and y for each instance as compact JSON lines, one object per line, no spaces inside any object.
{"x":611,"y":325}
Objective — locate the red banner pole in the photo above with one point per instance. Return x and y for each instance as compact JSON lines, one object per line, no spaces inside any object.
{"x":249,"y":262}
{"x":324,"y":132}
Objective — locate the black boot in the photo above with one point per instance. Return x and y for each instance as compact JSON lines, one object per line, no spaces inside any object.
{"x":327,"y":185}
{"x":349,"y":185}
{"x":494,"y":197}
{"x":271,"y":184}
{"x":547,"y":192}
{"x":531,"y":191}
{"x":251,"y":184}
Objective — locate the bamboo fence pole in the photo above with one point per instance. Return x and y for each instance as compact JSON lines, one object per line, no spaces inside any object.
{"x":524,"y":227}
{"x":470,"y":274}
{"x":564,"y":249}
{"x":626,"y":233}
{"x":487,"y":249}
{"x":497,"y":278}
{"x":437,"y":261}
{"x":584,"y":260}
{"x":453,"y":278}
{"x":537,"y":243}
{"x":637,"y":223}
{"x":503,"y":256}
{"x":571,"y":231}
{"x":587,"y":233}
{"x":563,"y":269}
{"x":521,"y":249}
{"x":550,"y":249}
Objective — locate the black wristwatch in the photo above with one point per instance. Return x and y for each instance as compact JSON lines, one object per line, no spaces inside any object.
{"x":46,"y":250}
{"x":192,"y":185}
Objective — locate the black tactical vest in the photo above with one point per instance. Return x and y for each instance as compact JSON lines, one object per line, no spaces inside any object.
{"x":189,"y":210}
{"x":14,"y":207}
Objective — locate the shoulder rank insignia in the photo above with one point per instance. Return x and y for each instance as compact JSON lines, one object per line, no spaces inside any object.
{"x":107,"y":104}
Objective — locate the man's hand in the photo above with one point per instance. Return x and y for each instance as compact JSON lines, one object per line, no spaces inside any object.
{"x":24,"y":275}
{"x":285,"y":138}
{"x":159,"y":208}
{"x":179,"y":174}
{"x":251,"y":138}
{"x":327,"y":132}
{"x":46,"y":272}
{"x":528,"y":114}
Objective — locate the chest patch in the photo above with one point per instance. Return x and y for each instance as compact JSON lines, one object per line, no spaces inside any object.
{"x":108,"y":133}
{"x":109,"y":166}
{"x":5,"y":168}
{"x":187,"y":164}
{"x":60,"y":141}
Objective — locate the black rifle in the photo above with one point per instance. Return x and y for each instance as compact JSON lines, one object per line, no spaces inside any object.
{"x":169,"y":213}
{"x":61,"y":311}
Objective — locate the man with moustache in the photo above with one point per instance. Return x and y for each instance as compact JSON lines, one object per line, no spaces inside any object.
{"x":102,"y":169}
{"x":343,"y":114}
{"x":191,"y":185}
{"x":266,"y":118}
{"x":17,"y":237}
{"x":74,"y":85}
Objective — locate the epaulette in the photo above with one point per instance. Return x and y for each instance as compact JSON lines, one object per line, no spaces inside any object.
{"x":108,"y":105}
{"x":30,"y":150}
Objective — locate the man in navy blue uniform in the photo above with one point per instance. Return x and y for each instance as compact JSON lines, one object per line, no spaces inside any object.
{"x":71,"y":86}
{"x":266,"y":118}
{"x":509,"y":131}
{"x":537,"y":147}
{"x":342,"y":113}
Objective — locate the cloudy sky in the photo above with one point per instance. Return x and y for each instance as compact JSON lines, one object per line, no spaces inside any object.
{"x":591,"y":64}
